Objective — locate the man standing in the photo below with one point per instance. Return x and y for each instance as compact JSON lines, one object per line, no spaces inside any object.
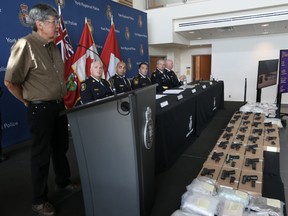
{"x":159,"y":76}
{"x":174,"y":81}
{"x":94,"y":87}
{"x":35,"y":76}
{"x":119,"y":82}
{"x":141,"y":80}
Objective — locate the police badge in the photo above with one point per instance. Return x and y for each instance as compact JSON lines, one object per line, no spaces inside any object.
{"x":140,"y":23}
{"x":141,"y":50}
{"x":60,"y":2}
{"x":90,"y":25}
{"x":127,"y":33}
{"x":108,"y":12}
{"x":23,"y":15}
{"x":148,"y":129}
{"x":129,"y":64}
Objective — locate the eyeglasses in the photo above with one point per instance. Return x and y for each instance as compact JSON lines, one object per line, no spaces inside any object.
{"x":55,"y":21}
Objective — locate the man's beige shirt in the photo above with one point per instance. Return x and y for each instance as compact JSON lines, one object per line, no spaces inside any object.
{"x":40,"y":73}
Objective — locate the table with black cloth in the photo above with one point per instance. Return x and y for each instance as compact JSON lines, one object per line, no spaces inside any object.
{"x":183,"y":119}
{"x":273,"y":186}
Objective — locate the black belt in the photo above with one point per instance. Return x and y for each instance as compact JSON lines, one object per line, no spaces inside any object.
{"x":50,"y":101}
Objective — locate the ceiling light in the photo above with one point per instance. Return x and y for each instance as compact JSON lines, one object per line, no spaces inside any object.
{"x":191,"y":32}
{"x":265,"y":25}
{"x":199,"y":38}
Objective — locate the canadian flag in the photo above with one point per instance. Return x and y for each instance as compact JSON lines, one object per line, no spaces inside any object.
{"x":110,"y":54}
{"x":85,"y":54}
{"x":67,"y":52}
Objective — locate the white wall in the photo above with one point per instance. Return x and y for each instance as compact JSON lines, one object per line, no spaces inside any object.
{"x":235,"y":59}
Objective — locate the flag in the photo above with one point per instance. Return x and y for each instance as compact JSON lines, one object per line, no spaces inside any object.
{"x":86,"y":52}
{"x":67,"y":52}
{"x":110,"y":54}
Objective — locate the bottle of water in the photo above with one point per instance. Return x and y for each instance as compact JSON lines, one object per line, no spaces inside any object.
{"x":184,"y":84}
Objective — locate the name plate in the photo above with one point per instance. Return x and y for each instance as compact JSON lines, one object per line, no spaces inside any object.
{"x":179,"y":97}
{"x":163,"y":104}
{"x":211,"y":83}
{"x":193,"y":91}
{"x":204,"y":86}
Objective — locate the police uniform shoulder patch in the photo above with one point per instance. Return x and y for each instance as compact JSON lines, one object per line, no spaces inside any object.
{"x":136,"y":81}
{"x":83,"y":86}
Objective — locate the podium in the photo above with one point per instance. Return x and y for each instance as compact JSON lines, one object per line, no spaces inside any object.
{"x":114,"y":145}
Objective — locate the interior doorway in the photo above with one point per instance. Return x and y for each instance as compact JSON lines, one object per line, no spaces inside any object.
{"x":201,"y":67}
{"x":153,"y":61}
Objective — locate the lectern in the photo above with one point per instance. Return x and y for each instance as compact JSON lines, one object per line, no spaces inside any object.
{"x":114,"y":145}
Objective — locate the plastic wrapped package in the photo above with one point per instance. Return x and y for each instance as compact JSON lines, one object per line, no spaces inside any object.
{"x":234,"y":195}
{"x":203,"y":185}
{"x":265,"y":205}
{"x":246,"y":213}
{"x":269,"y":109}
{"x":275,"y":121}
{"x":230,"y":208}
{"x":203,"y":204}
{"x":182,"y":213}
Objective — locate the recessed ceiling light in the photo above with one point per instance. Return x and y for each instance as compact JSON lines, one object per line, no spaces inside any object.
{"x":199,"y":38}
{"x":265,"y":25}
{"x":191,"y":32}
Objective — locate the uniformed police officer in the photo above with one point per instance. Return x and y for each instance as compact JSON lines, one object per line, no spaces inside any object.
{"x":119,"y":82}
{"x":95,"y":87}
{"x":141,"y":80}
{"x":174,"y":81}
{"x":159,"y":76}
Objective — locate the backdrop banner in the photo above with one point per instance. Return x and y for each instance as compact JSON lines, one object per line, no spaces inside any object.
{"x":131,"y":33}
{"x":283,"y":71}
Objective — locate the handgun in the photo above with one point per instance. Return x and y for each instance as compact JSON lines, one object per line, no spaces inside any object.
{"x":223,"y":144}
{"x":227,"y":136}
{"x":228,"y":173}
{"x":207,"y":172}
{"x":257,"y":131}
{"x":217,"y":156}
{"x":245,"y":117}
{"x":257,"y":118}
{"x":251,"y":161}
{"x":236,"y":146}
{"x":268,"y":124}
{"x":270,"y":138}
{"x":240,"y":137}
{"x":253,"y":138}
{"x":230,"y":158}
{"x":252,"y":148}
{"x":270,"y":130}
{"x":236,"y":117}
{"x":243,"y":129}
{"x":246,"y":122}
{"x":229,"y":129}
{"x":248,"y":178}
{"x":256,"y":124}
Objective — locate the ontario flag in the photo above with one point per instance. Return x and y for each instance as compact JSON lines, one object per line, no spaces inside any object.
{"x":110,"y":54}
{"x":86,"y":53}
{"x":67,"y":52}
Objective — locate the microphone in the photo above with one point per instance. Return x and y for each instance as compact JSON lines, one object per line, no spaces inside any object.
{"x":87,"y":48}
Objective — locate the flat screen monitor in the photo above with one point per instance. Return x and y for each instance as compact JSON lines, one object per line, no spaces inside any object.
{"x":267,"y":73}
